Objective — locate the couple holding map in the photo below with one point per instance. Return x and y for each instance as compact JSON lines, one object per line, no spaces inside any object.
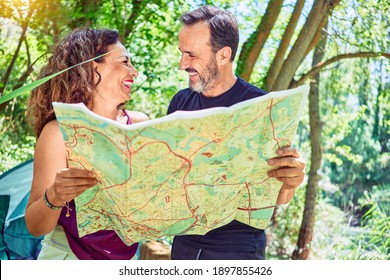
{"x":209,"y":173}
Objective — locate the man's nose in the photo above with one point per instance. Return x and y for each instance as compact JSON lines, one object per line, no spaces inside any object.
{"x":184,"y":62}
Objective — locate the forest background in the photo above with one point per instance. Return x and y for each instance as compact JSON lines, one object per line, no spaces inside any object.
{"x":340,"y":48}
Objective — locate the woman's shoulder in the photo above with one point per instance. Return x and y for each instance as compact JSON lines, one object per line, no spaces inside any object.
{"x":51,"y":132}
{"x":51,"y":127}
{"x":136,"y":116}
{"x":50,"y":144}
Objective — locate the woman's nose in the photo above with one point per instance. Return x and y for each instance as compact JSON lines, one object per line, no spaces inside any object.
{"x":133,"y":71}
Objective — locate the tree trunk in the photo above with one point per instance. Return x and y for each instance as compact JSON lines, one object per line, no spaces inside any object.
{"x":14,"y":57}
{"x":306,"y":231}
{"x":22,"y":79}
{"x":376,"y":131}
{"x":284,"y":44}
{"x":252,"y":47}
{"x":317,"y":36}
{"x":320,"y":9}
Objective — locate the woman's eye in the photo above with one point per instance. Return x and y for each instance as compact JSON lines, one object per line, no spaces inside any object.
{"x":125,"y":62}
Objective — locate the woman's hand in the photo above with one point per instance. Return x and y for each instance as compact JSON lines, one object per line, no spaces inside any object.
{"x":68,"y":184}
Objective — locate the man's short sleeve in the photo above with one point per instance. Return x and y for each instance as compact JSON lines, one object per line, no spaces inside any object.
{"x":173,"y":105}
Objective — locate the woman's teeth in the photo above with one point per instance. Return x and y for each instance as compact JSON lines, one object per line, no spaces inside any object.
{"x":128,"y":84}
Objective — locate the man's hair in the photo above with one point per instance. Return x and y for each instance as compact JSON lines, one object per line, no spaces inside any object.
{"x":78,"y":83}
{"x":222,"y":24}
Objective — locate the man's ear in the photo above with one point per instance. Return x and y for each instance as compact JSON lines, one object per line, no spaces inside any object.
{"x":224,"y":55}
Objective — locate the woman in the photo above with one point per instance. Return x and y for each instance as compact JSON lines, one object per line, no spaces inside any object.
{"x":103,"y":85}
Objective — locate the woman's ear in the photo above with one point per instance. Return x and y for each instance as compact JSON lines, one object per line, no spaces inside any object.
{"x":94,"y":64}
{"x":96,"y":76}
{"x":224,"y":55}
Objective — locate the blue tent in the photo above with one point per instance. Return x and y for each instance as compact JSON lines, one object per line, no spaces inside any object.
{"x":15,"y":241}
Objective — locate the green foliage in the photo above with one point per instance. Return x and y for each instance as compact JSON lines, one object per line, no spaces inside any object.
{"x":334,"y":237}
{"x":372,"y":240}
{"x":17,"y":143}
{"x":13,"y":152}
{"x":283,"y":232}
{"x":354,"y":159}
{"x":354,"y":107}
{"x":330,"y":240}
{"x":156,"y":56}
{"x":374,"y":243}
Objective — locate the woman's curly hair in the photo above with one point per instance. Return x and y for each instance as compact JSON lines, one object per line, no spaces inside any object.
{"x":75,"y":85}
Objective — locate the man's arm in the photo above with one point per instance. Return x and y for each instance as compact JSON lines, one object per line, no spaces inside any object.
{"x":290,"y":170}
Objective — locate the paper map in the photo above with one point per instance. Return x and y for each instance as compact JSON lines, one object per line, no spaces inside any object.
{"x":185,"y":173}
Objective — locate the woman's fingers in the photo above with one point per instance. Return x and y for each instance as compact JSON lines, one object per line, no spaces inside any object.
{"x":71,"y":182}
{"x":75,"y":173}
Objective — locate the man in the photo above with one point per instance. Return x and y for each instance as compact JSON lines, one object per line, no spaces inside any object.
{"x":208,"y":42}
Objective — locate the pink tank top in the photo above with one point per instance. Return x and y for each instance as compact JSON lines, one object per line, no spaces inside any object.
{"x":101,"y":245}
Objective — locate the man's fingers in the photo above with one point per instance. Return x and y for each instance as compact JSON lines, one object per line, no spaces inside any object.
{"x":287,"y":161}
{"x":290,"y":182}
{"x":288,"y":151}
{"x":289,"y":176}
{"x":286,"y":173}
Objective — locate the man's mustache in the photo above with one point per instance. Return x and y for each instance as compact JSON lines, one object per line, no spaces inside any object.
{"x":189,"y":69}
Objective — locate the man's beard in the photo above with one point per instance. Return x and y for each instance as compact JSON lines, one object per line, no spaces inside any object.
{"x":208,"y":79}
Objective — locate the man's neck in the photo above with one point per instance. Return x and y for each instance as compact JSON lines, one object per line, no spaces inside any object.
{"x":221,"y":86}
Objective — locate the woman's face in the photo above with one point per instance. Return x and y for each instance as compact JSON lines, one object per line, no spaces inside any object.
{"x":117,"y":74}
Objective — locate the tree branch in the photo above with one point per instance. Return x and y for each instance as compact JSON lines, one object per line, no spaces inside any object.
{"x":277,"y":62}
{"x":13,"y":60}
{"x":21,"y":80}
{"x":319,"y":10}
{"x":319,"y":66}
{"x":252,"y":47}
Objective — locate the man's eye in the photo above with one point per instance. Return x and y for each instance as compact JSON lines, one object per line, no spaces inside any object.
{"x":125,"y":62}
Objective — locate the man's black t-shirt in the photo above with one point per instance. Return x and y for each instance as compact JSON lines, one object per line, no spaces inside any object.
{"x":234,"y":236}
